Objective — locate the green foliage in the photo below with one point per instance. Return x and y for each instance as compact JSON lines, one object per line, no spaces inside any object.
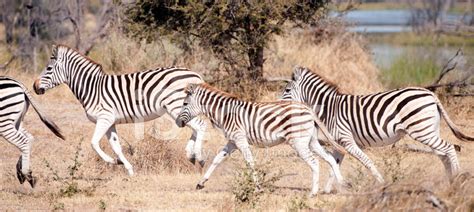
{"x":298,"y":204}
{"x":102,"y":205}
{"x":235,"y":31}
{"x":69,"y":185}
{"x":244,"y":188}
{"x":410,"y":71}
{"x":58,"y":206}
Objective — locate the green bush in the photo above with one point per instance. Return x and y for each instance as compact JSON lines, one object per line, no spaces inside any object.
{"x":244,"y":188}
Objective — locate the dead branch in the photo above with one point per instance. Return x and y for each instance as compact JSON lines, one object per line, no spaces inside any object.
{"x":77,"y":32}
{"x":105,"y":18}
{"x":416,"y":148}
{"x":449,"y":85}
{"x":5,"y":65}
{"x":447,"y":68}
{"x":462,"y":94}
{"x":424,"y":149}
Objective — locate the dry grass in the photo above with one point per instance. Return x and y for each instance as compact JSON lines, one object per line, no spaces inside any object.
{"x":342,"y":59}
{"x":165,"y":180}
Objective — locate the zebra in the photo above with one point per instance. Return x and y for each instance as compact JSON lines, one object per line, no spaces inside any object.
{"x":115,"y":99}
{"x":260,"y":124}
{"x":14,"y":102}
{"x":375,"y":120}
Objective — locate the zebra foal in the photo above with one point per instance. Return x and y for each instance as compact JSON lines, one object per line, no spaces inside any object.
{"x":374,"y":120}
{"x":114,"y":99}
{"x":14,"y":102}
{"x":268,"y":124}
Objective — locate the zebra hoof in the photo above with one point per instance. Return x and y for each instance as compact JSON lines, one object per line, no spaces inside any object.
{"x":327,"y":191}
{"x":119,"y":162}
{"x":202,"y":163}
{"x":32,"y":181}
{"x":457,"y":148}
{"x":21,"y":177}
{"x":199,"y":186}
{"x":347,"y":185}
{"x":192,"y":160}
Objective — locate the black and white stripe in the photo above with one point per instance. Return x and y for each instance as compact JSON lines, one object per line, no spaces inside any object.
{"x":113,"y":99}
{"x":376,"y":120}
{"x":261,"y":124}
{"x":14,"y":102}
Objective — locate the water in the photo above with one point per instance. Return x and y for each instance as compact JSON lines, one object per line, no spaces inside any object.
{"x":386,"y":21}
{"x":385,"y":54}
{"x":395,"y":21}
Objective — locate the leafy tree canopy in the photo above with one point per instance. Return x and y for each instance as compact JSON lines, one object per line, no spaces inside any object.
{"x":237,"y":31}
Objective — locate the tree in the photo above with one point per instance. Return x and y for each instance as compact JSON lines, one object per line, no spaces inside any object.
{"x":236,"y":31}
{"x":32,"y":25}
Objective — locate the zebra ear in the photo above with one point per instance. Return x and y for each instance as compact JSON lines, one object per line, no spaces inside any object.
{"x":297,"y":72}
{"x":55,"y":50}
{"x":191,"y":88}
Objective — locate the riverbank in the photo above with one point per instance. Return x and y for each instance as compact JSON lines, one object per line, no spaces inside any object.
{"x":420,"y":39}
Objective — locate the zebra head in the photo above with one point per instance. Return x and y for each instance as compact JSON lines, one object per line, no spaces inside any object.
{"x":190,"y":108}
{"x":54,"y":73}
{"x":293,"y":90}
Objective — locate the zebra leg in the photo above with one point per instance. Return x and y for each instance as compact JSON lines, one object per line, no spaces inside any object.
{"x":244,"y":147}
{"x":355,"y":151}
{"x":115,"y":143}
{"x":194,"y":146}
{"x":304,"y":152}
{"x":22,"y":142}
{"x":101,"y":128}
{"x":430,"y":136}
{"x":321,"y":152}
{"x":226,"y":151}
{"x":329,"y":184}
{"x":32,"y":180}
{"x":446,"y":152}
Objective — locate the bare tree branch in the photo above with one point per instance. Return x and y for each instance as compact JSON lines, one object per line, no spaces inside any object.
{"x":449,"y":66}
{"x":104,"y":19}
{"x":5,"y":65}
{"x":451,"y":84}
{"x":77,"y":32}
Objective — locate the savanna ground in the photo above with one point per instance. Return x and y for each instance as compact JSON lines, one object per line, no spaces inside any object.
{"x":72,"y":177}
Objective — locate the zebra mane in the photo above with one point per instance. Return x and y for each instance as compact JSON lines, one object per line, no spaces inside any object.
{"x":216,"y":90}
{"x":325,"y":81}
{"x":75,"y":51}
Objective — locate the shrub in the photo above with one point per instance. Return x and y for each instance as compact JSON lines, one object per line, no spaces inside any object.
{"x":244,"y":188}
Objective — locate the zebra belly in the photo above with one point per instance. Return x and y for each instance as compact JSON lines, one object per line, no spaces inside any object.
{"x":139,"y":118}
{"x":266,"y":143}
{"x":383,"y":140}
{"x":122,"y":119}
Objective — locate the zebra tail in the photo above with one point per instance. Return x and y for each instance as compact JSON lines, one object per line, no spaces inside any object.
{"x":325,"y":131}
{"x":50,"y":124}
{"x":452,"y":126}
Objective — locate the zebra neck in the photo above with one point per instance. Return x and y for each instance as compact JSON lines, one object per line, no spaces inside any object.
{"x":85,"y":82}
{"x":324,"y":105}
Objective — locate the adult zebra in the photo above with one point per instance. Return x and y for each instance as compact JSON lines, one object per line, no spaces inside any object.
{"x":260,"y":124}
{"x":114,"y":99}
{"x":375,"y":120}
{"x":14,"y":102}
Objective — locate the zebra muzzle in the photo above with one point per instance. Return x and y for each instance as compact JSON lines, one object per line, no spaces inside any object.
{"x":36,"y":87}
{"x":180,"y":123}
